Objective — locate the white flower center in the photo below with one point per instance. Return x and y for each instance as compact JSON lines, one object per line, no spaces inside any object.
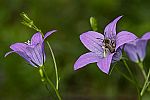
{"x":108,"y":46}
{"x":28,"y":42}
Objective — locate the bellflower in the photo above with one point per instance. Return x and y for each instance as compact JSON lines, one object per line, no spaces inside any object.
{"x":32,"y":52}
{"x":104,"y":49}
{"x":136,"y":49}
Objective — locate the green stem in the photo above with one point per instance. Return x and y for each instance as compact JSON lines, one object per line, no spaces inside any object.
{"x":145,"y":84}
{"x":128,"y":69}
{"x":44,"y":77}
{"x":135,"y":81}
{"x":125,"y":76}
{"x":55,"y":65}
{"x":53,"y":57}
{"x":142,"y":69}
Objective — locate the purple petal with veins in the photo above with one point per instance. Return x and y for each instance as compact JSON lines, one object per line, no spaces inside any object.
{"x":104,"y":63}
{"x":33,"y":52}
{"x":105,"y":49}
{"x":110,"y":29}
{"x":92,"y":41}
{"x":124,"y":37}
{"x":136,"y":50}
{"x":85,"y":59}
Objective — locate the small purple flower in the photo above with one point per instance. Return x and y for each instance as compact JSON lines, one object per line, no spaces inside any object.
{"x":104,"y":49}
{"x":32,"y":52}
{"x":136,"y":49}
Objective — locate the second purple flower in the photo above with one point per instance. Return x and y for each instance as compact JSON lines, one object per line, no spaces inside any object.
{"x":104,"y":49}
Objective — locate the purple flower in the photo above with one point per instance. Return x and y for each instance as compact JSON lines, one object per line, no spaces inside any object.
{"x":136,"y":49}
{"x":104,"y":49}
{"x":32,"y":52}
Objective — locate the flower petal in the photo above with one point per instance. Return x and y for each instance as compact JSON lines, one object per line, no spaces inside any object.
{"x":85,"y":59}
{"x":141,"y":48}
{"x":36,"y":54}
{"x":104,"y":63}
{"x":130,"y":49}
{"x":19,"y":47}
{"x":36,"y":38}
{"x":117,"y":56}
{"x":22,"y":54}
{"x":124,"y":37}
{"x":92,"y":41}
{"x":49,"y":33}
{"x":46,"y":36}
{"x":27,"y":58}
{"x":110,"y":29}
{"x":146,"y":36}
{"x":8,"y":53}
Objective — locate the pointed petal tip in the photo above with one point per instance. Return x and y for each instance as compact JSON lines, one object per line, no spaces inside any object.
{"x":49,"y":33}
{"x":146,"y":36}
{"x":105,"y":71}
{"x":110,"y":29}
{"x":75,"y":67}
{"x":119,"y":17}
{"x":52,"y":31}
{"x":8,"y":53}
{"x":104,"y":63}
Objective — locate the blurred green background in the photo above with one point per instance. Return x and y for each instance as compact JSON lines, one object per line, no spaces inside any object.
{"x":20,"y":81}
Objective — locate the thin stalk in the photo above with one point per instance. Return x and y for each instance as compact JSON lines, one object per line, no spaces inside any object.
{"x":125,"y":76}
{"x":142,"y":69}
{"x":128,"y":69}
{"x":53,"y":57}
{"x":135,"y":81}
{"x":55,"y":65}
{"x":145,"y":84}
{"x":44,"y":77}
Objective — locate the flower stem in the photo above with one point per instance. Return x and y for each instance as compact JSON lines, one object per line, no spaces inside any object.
{"x":125,"y":76}
{"x":142,"y":69}
{"x":44,"y":77}
{"x":135,"y":81}
{"x":145,"y":84}
{"x":128,"y":69}
{"x":53,"y":57}
{"x":55,"y":65}
{"x":52,"y":53}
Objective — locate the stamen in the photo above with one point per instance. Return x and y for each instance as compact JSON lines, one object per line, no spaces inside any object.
{"x":28,"y":42}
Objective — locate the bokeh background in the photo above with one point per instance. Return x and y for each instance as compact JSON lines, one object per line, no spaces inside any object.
{"x":20,"y":81}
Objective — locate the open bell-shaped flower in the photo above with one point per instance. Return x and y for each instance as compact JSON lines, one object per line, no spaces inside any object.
{"x":104,"y":49}
{"x":33,"y":52}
